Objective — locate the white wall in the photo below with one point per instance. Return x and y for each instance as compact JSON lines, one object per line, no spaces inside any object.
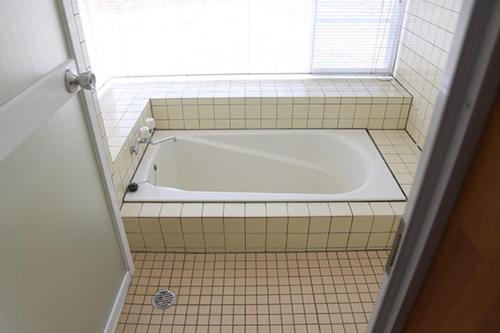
{"x":425,"y":43}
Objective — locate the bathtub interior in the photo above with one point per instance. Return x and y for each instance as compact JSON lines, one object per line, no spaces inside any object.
{"x":326,"y":164}
{"x":231,"y":163}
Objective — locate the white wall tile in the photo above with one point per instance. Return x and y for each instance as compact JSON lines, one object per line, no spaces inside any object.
{"x":424,"y":47}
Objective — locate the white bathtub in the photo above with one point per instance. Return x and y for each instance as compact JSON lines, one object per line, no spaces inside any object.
{"x":264,"y":165}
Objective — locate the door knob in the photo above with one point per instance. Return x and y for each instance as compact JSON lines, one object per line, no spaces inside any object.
{"x":85,"y":80}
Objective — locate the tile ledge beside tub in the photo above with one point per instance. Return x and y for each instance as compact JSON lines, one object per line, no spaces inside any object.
{"x":252,"y":104}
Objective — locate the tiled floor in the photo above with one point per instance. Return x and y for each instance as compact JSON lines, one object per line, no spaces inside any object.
{"x":264,"y":292}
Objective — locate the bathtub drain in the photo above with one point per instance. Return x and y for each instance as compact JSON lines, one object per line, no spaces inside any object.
{"x":164,"y":299}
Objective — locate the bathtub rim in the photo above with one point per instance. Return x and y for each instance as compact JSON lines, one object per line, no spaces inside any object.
{"x":153,"y":193}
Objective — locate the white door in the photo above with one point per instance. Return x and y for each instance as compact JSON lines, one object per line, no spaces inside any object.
{"x":61,"y":258}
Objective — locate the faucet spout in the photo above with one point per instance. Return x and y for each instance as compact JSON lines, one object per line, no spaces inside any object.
{"x":168,"y":138}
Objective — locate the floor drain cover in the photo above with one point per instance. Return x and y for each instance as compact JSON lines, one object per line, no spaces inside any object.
{"x":163,"y":299}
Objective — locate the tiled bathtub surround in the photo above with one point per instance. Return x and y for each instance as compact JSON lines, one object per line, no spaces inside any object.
{"x":304,"y":102}
{"x":224,"y":104}
{"x":255,"y":292}
{"x":423,"y":53}
{"x":217,"y":227}
{"x":400,"y":153}
{"x":121,"y":111}
{"x":124,"y":163}
{"x":258,"y":227}
{"x":313,"y":103}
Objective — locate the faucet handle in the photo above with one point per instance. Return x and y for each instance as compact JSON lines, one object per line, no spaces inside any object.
{"x":144,"y":133}
{"x":150,"y":123}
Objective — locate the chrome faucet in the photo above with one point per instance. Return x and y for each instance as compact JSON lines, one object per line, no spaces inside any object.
{"x":134,"y":149}
{"x":146,"y":136}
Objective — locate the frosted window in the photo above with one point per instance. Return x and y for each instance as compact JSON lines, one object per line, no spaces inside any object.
{"x":184,"y":37}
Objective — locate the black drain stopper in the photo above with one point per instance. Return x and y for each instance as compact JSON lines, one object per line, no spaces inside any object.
{"x":132,"y":187}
